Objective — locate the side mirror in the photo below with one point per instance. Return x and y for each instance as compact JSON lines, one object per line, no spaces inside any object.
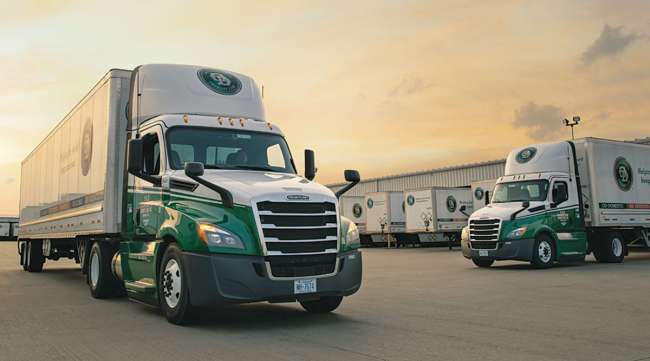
{"x":194,"y":169}
{"x":560,"y":195}
{"x":352,"y":175}
{"x":310,"y":164}
{"x":136,"y":159}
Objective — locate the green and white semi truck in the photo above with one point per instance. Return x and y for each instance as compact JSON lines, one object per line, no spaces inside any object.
{"x":167,"y":184}
{"x":560,"y":201}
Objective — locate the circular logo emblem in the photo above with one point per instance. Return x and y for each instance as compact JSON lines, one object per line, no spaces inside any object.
{"x":220,"y":82}
{"x":623,"y":174}
{"x":370,"y":203}
{"x":410,"y":200}
{"x":357,"y":210}
{"x":451,"y":204}
{"x":526,"y":154}
{"x":87,"y":147}
{"x":479,"y":193}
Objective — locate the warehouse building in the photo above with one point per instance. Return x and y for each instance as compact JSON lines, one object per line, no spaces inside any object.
{"x":454,"y":176}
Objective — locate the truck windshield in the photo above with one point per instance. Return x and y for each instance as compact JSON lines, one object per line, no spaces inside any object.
{"x":228,"y":149}
{"x":520,"y":191}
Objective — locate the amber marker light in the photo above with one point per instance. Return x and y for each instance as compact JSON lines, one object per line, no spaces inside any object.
{"x":220,"y":120}
{"x":270,"y":126}
{"x":241,"y":121}
{"x":186,"y":119}
{"x":232,"y":121}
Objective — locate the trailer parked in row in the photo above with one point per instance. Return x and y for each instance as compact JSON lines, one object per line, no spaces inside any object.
{"x":561,"y":201}
{"x":167,"y":184}
{"x":481,"y":192}
{"x":352,"y":207}
{"x":8,"y":228}
{"x":437,"y":214}
{"x":385,"y":221}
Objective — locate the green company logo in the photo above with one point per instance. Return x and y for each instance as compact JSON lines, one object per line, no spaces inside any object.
{"x":526,"y":155}
{"x":370,"y":203}
{"x":220,"y":82}
{"x":357,"y":210}
{"x":451,"y":204}
{"x":623,"y":174}
{"x":479,"y":193}
{"x":410,"y":200}
{"x":87,"y":147}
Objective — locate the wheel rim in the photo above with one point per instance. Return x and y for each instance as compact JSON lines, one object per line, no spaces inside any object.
{"x":617,"y":247}
{"x":545,"y":251}
{"x":94,"y":269}
{"x":171,"y":283}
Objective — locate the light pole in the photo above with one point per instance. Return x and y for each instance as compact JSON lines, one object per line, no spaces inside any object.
{"x":572,"y":123}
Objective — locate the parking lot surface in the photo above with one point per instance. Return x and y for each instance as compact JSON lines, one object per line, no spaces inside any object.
{"x":415,"y":304}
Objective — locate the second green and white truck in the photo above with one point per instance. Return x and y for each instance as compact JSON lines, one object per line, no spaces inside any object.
{"x":558,"y":202}
{"x":167,"y":184}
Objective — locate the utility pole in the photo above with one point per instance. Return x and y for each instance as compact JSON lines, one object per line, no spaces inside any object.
{"x":572,"y":123}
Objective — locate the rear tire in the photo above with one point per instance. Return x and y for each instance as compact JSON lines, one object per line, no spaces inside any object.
{"x":543,"y":252}
{"x":483,"y":263}
{"x":100,"y":278}
{"x":173,"y":291}
{"x":323,"y":305}
{"x":34,"y":256}
{"x":610,"y":248}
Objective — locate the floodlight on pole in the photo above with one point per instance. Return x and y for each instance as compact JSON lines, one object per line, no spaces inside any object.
{"x":572,"y":123}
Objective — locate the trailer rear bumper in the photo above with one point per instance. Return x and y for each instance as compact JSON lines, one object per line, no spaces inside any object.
{"x":216,"y":279}
{"x":520,"y":250}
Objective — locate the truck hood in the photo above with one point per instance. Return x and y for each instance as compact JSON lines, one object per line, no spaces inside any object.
{"x":502,"y":210}
{"x":249,"y":186}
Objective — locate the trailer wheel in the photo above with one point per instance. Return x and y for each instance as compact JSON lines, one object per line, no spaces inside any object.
{"x":543,"y":252}
{"x":610,"y":248}
{"x":100,"y":278}
{"x":173,"y":289}
{"x":323,"y":305}
{"x":483,"y":263}
{"x":34,"y":256}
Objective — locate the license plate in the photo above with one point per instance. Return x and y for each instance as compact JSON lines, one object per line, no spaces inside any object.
{"x":483,"y":253}
{"x":304,"y":286}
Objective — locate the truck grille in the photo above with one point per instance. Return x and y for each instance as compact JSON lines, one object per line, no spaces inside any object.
{"x":301,"y":238}
{"x":484,"y":229}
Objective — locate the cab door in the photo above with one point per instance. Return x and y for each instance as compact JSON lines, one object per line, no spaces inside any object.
{"x":564,"y":218}
{"x":144,"y":215}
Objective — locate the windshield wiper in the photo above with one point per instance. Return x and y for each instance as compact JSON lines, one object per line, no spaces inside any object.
{"x":254,"y":167}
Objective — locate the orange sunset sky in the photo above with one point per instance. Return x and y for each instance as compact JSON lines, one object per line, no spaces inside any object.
{"x":380,"y":86}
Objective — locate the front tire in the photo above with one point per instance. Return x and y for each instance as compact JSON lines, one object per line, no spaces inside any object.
{"x":100,"y":278}
{"x":323,"y":305}
{"x":34,"y":259}
{"x":610,"y":248}
{"x":483,"y":263}
{"x":543,"y":252}
{"x":173,"y":289}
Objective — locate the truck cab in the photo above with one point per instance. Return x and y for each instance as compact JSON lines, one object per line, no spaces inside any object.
{"x":534,"y":212}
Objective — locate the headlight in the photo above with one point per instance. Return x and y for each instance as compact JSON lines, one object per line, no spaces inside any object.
{"x":464,"y":234}
{"x":517,"y":233}
{"x":214,"y":236}
{"x":352,"y":237}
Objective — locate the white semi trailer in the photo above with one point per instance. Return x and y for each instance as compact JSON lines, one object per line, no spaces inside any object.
{"x":437,"y":214}
{"x":481,"y":192}
{"x":8,"y":228}
{"x":561,"y":201}
{"x":168,"y":184}
{"x":385,"y":219}
{"x":353,"y":208}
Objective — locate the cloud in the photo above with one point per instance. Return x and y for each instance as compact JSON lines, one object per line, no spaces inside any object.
{"x":611,"y":42}
{"x":10,"y":180}
{"x":409,"y":86}
{"x":539,"y":121}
